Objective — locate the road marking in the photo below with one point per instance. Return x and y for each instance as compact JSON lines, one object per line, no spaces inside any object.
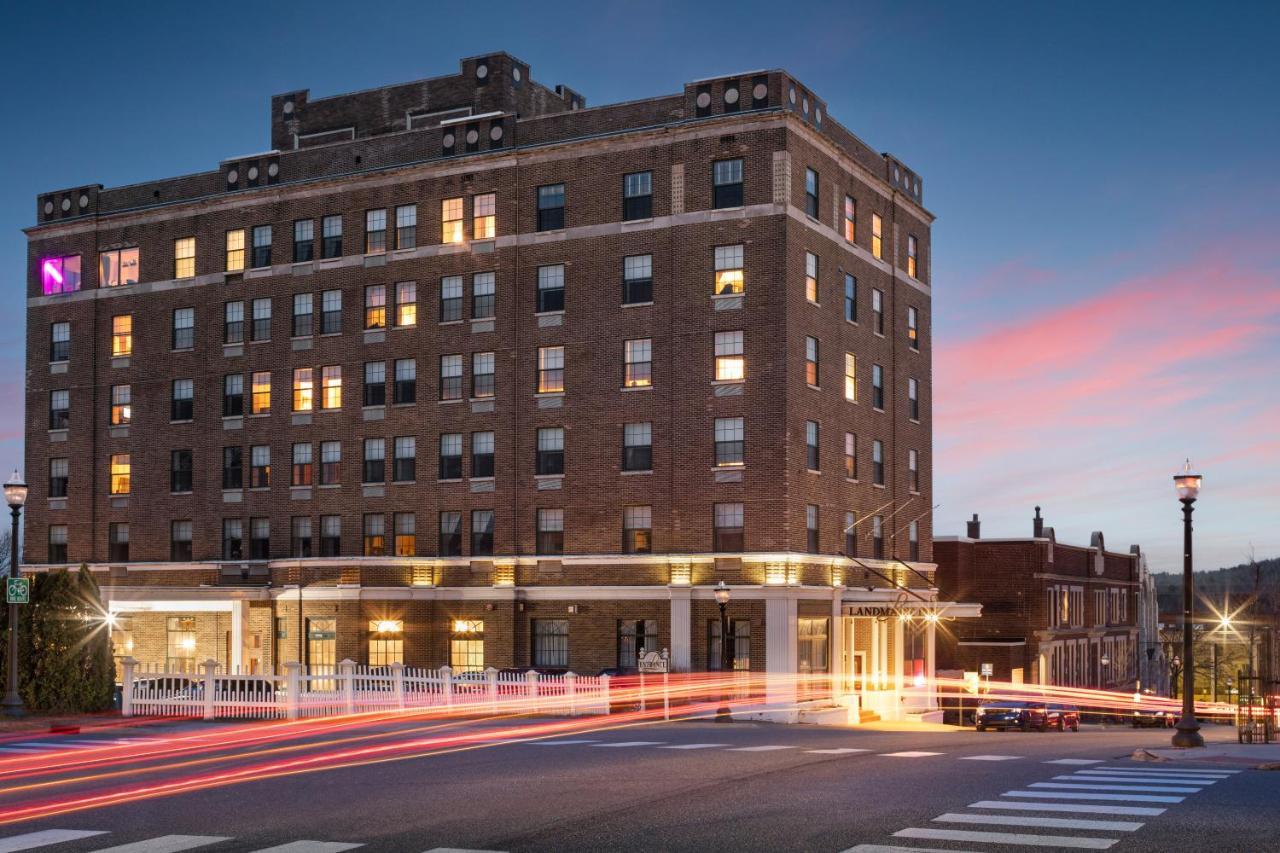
{"x":1044,"y":822}
{"x":1074,"y":808}
{"x":910,"y":754}
{"x":1071,"y":795}
{"x":625,"y":743}
{"x":21,"y":750}
{"x":557,"y":742}
{"x":694,"y":746}
{"x":31,"y":840}
{"x":842,"y":750}
{"x":1120,"y":774}
{"x":1157,"y":780}
{"x":461,"y":850}
{"x":990,"y":757}
{"x":1145,"y":789}
{"x":1217,"y":771}
{"x":768,"y":748}
{"x":166,"y":844}
{"x":1008,"y":838}
{"x":891,"y":848}
{"x":1076,"y":761}
{"x":310,"y":847}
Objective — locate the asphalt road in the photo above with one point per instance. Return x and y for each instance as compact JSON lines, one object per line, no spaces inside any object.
{"x":692,"y":786}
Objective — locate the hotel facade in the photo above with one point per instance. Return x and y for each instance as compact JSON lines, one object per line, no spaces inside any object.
{"x":462,"y":371}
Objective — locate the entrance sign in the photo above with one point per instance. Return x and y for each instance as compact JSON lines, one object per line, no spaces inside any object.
{"x":988,"y":670}
{"x":653,"y":661}
{"x":17,"y":591}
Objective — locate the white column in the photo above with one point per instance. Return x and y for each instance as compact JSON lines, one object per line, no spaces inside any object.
{"x":898,"y":657}
{"x":239,"y":618}
{"x":838,"y":663}
{"x":930,"y":665}
{"x":873,"y":664}
{"x":780,"y":626}
{"x":681,"y":628}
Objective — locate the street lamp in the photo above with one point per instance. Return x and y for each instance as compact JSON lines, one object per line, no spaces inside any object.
{"x":1187,"y":483}
{"x":722,"y":593}
{"x":15,"y":494}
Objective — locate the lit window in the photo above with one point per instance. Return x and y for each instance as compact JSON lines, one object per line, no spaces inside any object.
{"x":261,"y":390}
{"x":331,"y":387}
{"x":303,"y":389}
{"x":406,"y":304}
{"x":235,"y":251}
{"x":877,"y":236}
{"x":406,"y":226}
{"x":483,"y":295}
{"x":184,"y":257}
{"x":730,"y":446}
{"x":450,"y":377}
{"x":729,"y":278}
{"x":550,"y":458}
{"x":726,"y":184}
{"x":637,"y":529}
{"x":730,"y":364}
{"x":375,"y":232}
{"x":451,"y":220}
{"x":120,"y":473}
{"x":259,"y":466}
{"x":550,"y":370}
{"x":450,"y":298}
{"x":850,"y":377}
{"x":466,"y":648}
{"x":851,"y":456}
{"x":121,"y":409}
{"x":912,"y":256}
{"x":811,"y":361}
{"x":60,"y":275}
{"x":850,"y":218}
{"x":551,"y":288}
{"x":811,"y":277}
{"x":406,"y":543}
{"x":122,"y":336}
{"x":375,"y":534}
{"x":386,"y":641}
{"x":913,"y":328}
{"x":484,"y":209}
{"x":118,"y":267}
{"x":637,"y":279}
{"x":375,"y":306}
{"x":637,"y":357}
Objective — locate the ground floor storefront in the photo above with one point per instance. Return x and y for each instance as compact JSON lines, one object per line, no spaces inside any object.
{"x":1105,"y":658}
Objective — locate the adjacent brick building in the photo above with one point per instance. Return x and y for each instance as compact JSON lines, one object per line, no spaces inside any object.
{"x":483,"y":376}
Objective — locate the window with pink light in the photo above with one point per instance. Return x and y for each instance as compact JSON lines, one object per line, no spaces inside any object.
{"x":60,"y":275}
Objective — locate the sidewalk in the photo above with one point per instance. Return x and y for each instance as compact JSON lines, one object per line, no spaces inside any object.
{"x":63,"y":723}
{"x":1245,"y":754}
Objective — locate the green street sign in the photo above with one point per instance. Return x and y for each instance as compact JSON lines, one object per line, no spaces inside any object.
{"x":17,"y":591}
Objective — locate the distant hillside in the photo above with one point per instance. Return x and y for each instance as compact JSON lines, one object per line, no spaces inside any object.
{"x":1236,"y":582}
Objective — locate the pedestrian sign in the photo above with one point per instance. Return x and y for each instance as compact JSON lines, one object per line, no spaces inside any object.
{"x":17,"y":591}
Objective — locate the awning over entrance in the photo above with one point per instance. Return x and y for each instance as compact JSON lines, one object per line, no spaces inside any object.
{"x":886,"y":609}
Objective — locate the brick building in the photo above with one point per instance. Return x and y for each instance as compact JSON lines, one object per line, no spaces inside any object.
{"x":480,"y":375}
{"x":1051,"y":613}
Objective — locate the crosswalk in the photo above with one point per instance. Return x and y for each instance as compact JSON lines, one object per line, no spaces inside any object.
{"x":52,"y":838}
{"x":1075,"y":811}
{"x":35,"y":747}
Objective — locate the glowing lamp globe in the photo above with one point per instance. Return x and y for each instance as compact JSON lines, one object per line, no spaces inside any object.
{"x":15,"y":490}
{"x":722,"y":593}
{"x":1187,"y":482}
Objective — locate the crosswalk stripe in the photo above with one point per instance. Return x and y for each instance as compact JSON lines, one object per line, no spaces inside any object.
{"x":558,"y":742}
{"x":1157,"y":780}
{"x":1076,"y":761}
{"x":911,"y":753}
{"x":166,"y":844}
{"x":767,"y":748}
{"x":693,"y":746}
{"x":1043,"y":822}
{"x":43,"y":838}
{"x":461,"y":850}
{"x":893,"y":848}
{"x":624,"y":743}
{"x":1008,"y":838}
{"x":1120,"y":774}
{"x":1144,"y":769}
{"x":310,"y":847}
{"x":1072,"y":795}
{"x":990,"y":757}
{"x":1144,"y":789}
{"x":1074,"y":808}
{"x":841,"y":750}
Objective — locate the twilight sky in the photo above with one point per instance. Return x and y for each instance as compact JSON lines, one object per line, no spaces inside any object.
{"x":1106,"y":265}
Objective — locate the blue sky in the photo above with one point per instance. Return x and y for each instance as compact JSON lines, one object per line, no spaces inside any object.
{"x":1105,"y":264}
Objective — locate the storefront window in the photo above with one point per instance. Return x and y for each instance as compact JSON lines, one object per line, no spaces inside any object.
{"x":466,"y":648}
{"x":180,"y":644}
{"x":386,"y":642}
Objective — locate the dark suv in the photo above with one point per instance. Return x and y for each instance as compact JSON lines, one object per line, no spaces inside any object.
{"x":1012,"y":715}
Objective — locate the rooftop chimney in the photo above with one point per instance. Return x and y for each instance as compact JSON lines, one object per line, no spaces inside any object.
{"x":974,"y":528}
{"x":1037,"y":525}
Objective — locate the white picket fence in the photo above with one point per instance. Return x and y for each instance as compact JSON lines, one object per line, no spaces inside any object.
{"x":351,"y":688}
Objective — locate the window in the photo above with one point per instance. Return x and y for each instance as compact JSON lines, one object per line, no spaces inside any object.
{"x":551,"y":207}
{"x":303,"y":316}
{"x":182,"y":401}
{"x":304,"y":236}
{"x":375,"y":461}
{"x":59,"y":409}
{"x":375,"y":306}
{"x":913,"y":255}
{"x":877,"y":462}
{"x":811,"y":528}
{"x":259,"y":538}
{"x":481,"y":454}
{"x":637,"y":530}
{"x":331,"y":312}
{"x":375,"y":534}
{"x":550,"y":370}
{"x":451,"y":220}
{"x":261,"y":246}
{"x":727,"y":528}
{"x":260,"y":402}
{"x":481,"y":532}
{"x":232,"y":468}
{"x":851,"y":377}
{"x":450,"y":298}
{"x":331,"y":237}
{"x":637,"y":279}
{"x":726,"y":183}
{"x":482,"y":380}
{"x":235,"y":251}
{"x":301,"y":472}
{"x":406,"y":536}
{"x":450,"y":534}
{"x":406,"y":226}
{"x":811,"y":193}
{"x":406,"y":382}
{"x":877,"y":235}
{"x":729,"y":278}
{"x":451,"y":456}
{"x":739,"y":645}
{"x":551,"y":643}
{"x":118,"y":267}
{"x":450,"y":377}
{"x":635,"y":635}
{"x":59,"y":341}
{"x":60,"y":275}
{"x":811,"y":361}
{"x":331,"y":386}
{"x":180,"y":466}
{"x":730,"y":365}
{"x":184,"y":328}
{"x":484,"y":216}
{"x":877,"y":310}
{"x":184,"y":256}
{"x":729,"y":442}
{"x":637,"y":363}
{"x":466,"y":648}
{"x":121,"y":408}
{"x":261,"y":329}
{"x":811,"y":441}
{"x":811,"y":277}
{"x":405,"y":463}
{"x":550,"y":531}
{"x":550,"y":450}
{"x":637,"y":447}
{"x":122,"y":336}
{"x":483,"y":295}
{"x":850,"y":535}
{"x":59,"y":471}
{"x":233,"y":323}
{"x":330,"y":463}
{"x":811,"y":648}
{"x":637,"y":195}
{"x":233,"y":395}
{"x":232,"y":539}
{"x":877,"y":387}
{"x":877,"y":537}
{"x":851,"y":455}
{"x":850,"y":298}
{"x":303,"y":389}
{"x":913,"y":328}
{"x":850,"y":219}
{"x":913,"y":470}
{"x":57,"y":543}
{"x":180,"y":541}
{"x":118,"y":541}
{"x":375,"y":232}
{"x":120,"y":474}
{"x":913,"y":541}
{"x":913,"y":399}
{"x":551,"y":288}
{"x":386,"y":642}
{"x":406,"y":304}
{"x":330,"y":535}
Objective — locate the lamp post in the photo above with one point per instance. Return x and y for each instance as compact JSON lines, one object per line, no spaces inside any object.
{"x":722,"y":593}
{"x":15,"y":494}
{"x":1187,"y":484}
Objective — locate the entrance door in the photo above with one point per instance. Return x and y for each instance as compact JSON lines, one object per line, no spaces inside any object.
{"x":322,"y":651}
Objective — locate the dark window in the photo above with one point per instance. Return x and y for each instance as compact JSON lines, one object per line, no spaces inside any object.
{"x":57,"y":543}
{"x":233,"y":395}
{"x":375,"y":383}
{"x":877,"y":386}
{"x":877,"y":310}
{"x":259,"y":538}
{"x":330,"y":535}
{"x":179,"y":471}
{"x":451,"y":456}
{"x":406,"y":226}
{"x":182,"y":402}
{"x":551,"y":643}
{"x":261,"y":329}
{"x":330,"y":462}
{"x":634,"y":636}
{"x":232,"y":539}
{"x":811,"y":193}
{"x":375,"y":535}
{"x":727,"y":530}
{"x":301,"y":472}
{"x":739,"y":646}
{"x":551,"y":288}
{"x":180,"y":541}
{"x":730,"y":441}
{"x":405,"y":459}
{"x":375,"y":461}
{"x":450,"y":377}
{"x":60,"y":341}
{"x":331,"y":312}
{"x":637,"y":195}
{"x":375,"y":231}
{"x":481,"y":454}
{"x":59,"y":471}
{"x":550,"y":531}
{"x":481,"y":532}
{"x":877,"y":462}
{"x":331,"y":237}
{"x":550,"y":450}
{"x":262,"y":246}
{"x":59,"y":409}
{"x":551,"y":207}
{"x":300,"y":536}
{"x":637,"y":530}
{"x":406,"y":387}
{"x":913,"y":399}
{"x":303,"y":315}
{"x":637,"y":279}
{"x":233,"y":323}
{"x":877,"y":537}
{"x":811,"y":445}
{"x":118,"y":542}
{"x":850,"y":298}
{"x":304,"y":246}
{"x":232,"y":468}
{"x":811,"y":528}
{"x":450,"y":298}
{"x":637,"y":447}
{"x":450,"y":534}
{"x":726,"y":181}
{"x":850,"y":535}
{"x":483,"y":295}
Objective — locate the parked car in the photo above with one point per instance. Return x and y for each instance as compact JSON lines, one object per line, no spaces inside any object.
{"x":1153,"y":717}
{"x":1063,"y":717}
{"x":1012,"y":715}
